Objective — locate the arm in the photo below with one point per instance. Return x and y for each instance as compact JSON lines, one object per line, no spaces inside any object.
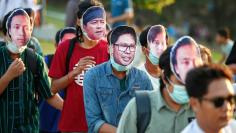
{"x":61,"y":83}
{"x":94,"y":114}
{"x":16,"y":68}
{"x":56,"y":101}
{"x":124,"y":17}
{"x":128,"y":119}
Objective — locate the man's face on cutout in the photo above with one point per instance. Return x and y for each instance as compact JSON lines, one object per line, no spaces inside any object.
{"x":20,"y":31}
{"x":158,"y":44}
{"x":187,"y":58}
{"x":124,"y":49}
{"x":96,"y":28}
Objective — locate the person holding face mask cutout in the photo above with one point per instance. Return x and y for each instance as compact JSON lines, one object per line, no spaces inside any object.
{"x":18,"y":89}
{"x":89,"y":50}
{"x":109,"y":86}
{"x":154,"y":41}
{"x":33,"y":42}
{"x":170,"y":112}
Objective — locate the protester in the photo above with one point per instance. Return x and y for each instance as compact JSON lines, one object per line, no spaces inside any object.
{"x":109,"y":86}
{"x":121,"y":12}
{"x":225,"y":43}
{"x":169,"y":109}
{"x":89,"y":50}
{"x":154,"y":41}
{"x":20,"y":84}
{"x":212,"y":98}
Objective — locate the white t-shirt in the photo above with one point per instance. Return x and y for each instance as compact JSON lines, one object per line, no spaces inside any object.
{"x":155,"y":81}
{"x":194,"y":128}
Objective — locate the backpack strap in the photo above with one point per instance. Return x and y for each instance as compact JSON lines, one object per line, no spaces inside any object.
{"x":68,"y":56}
{"x":143,"y":111}
{"x":32,"y":60}
{"x":69,"y":53}
{"x":31,"y":57}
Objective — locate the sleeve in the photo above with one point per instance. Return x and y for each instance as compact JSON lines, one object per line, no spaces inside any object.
{"x":58,"y":65}
{"x":93,"y":109}
{"x":128,"y":119}
{"x":232,"y":56}
{"x":128,"y":6}
{"x":43,"y":80}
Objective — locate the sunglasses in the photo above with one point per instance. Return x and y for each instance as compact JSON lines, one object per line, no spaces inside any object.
{"x":219,"y":101}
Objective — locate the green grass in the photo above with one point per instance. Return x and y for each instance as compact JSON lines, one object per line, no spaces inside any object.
{"x":47,"y":46}
{"x":216,"y":56}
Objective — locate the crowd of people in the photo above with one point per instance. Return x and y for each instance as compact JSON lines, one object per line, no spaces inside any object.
{"x":90,"y":84}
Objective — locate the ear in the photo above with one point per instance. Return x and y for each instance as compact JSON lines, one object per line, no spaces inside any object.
{"x":78,"y":22}
{"x":144,"y":50}
{"x":195,"y":104}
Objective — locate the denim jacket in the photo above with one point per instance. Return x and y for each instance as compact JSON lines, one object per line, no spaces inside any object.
{"x":103,"y":98}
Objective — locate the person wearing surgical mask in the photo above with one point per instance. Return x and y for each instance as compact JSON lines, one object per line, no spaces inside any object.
{"x":18,"y":90}
{"x":108,"y":87}
{"x":170,"y":110}
{"x":89,"y":50}
{"x":154,"y":41}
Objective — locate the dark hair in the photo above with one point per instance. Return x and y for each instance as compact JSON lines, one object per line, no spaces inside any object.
{"x":57,"y":36}
{"x":199,"y":79}
{"x":82,"y":7}
{"x":143,"y":36}
{"x":114,"y":34}
{"x":224,"y":32}
{"x":31,"y":14}
{"x":164,"y":64}
{"x":4,"y":21}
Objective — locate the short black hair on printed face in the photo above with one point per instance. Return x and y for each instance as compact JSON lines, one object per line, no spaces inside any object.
{"x":84,"y":5}
{"x":114,"y":34}
{"x":199,"y":79}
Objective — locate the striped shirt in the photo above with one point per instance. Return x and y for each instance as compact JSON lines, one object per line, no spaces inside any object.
{"x":18,"y":105}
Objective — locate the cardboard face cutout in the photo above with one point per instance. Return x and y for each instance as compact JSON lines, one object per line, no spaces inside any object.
{"x":156,"y":41}
{"x":122,"y":46}
{"x":185,"y":55}
{"x":93,"y":23}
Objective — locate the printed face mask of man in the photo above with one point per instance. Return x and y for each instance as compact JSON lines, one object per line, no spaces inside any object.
{"x":93,"y":23}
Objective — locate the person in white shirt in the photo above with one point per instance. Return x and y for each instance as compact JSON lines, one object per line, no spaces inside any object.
{"x":212,"y":98}
{"x":154,"y":41}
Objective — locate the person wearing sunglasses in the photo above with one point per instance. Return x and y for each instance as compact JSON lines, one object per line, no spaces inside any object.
{"x":212,"y":98}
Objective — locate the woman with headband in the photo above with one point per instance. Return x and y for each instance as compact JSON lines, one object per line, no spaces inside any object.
{"x":18,"y":89}
{"x":89,"y":50}
{"x":169,"y":108}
